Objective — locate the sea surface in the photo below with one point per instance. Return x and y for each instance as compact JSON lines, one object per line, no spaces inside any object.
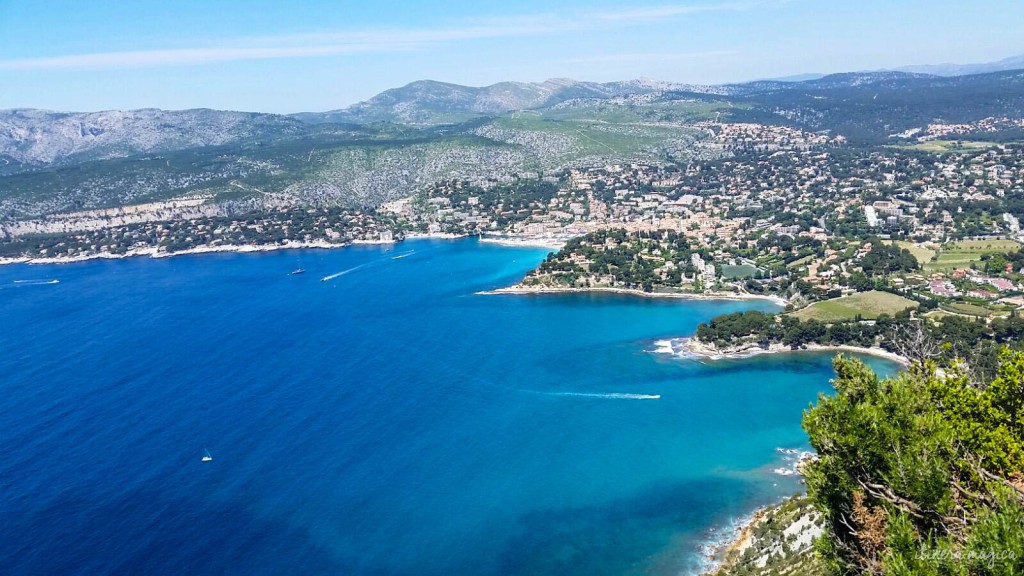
{"x":387,"y":421}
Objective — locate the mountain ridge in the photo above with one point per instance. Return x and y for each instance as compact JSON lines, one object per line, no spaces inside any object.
{"x":949,"y":69}
{"x":34,"y":136}
{"x":421,"y":102}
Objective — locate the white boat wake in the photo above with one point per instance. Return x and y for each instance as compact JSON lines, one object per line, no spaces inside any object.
{"x":36,"y":282}
{"x":342,"y":273}
{"x":377,"y":262}
{"x":613,"y":395}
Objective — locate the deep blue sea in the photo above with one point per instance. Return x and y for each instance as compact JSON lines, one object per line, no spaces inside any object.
{"x":389,"y":421}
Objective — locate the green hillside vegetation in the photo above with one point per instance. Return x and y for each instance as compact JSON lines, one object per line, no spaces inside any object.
{"x":867,"y":305}
{"x":226,"y":172}
{"x":350,"y":167}
{"x":573,"y":138}
{"x":682,"y":111}
{"x":920,"y":474}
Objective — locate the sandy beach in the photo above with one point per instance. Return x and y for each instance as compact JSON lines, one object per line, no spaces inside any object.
{"x":155,"y":253}
{"x":434,"y":236}
{"x":525,"y":241}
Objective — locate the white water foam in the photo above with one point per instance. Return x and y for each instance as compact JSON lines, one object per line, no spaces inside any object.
{"x":36,"y":282}
{"x":664,"y":347}
{"x":674,"y":347}
{"x":793,"y":458}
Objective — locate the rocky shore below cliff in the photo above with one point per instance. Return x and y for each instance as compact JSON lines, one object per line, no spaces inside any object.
{"x":694,"y":348}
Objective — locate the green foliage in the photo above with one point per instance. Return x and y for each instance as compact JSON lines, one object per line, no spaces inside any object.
{"x":736,"y":325}
{"x":886,"y":259}
{"x":913,"y":471}
{"x":629,"y":260}
{"x":989,"y":422}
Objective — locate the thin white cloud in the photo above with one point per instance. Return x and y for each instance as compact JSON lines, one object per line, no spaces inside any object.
{"x":647,"y":57}
{"x":654,"y":13}
{"x":372,"y":40}
{"x":189,"y":56}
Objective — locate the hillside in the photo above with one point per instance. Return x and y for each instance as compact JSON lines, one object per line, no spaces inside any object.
{"x":406,"y":138}
{"x":328,"y":165}
{"x":31,"y":137}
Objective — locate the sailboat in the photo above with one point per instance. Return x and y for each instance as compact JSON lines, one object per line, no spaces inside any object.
{"x":206,"y":455}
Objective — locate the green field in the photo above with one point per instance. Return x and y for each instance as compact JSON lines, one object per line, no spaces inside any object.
{"x":869,"y":305}
{"x":739,"y":271}
{"x":939,"y":146}
{"x":961,"y":254}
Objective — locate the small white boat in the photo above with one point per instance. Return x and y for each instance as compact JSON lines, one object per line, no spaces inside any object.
{"x":206,"y":455}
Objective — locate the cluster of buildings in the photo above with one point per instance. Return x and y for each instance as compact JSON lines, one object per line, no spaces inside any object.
{"x":945,"y":130}
{"x":293,"y":226}
{"x":782,"y":201}
{"x":971,"y":283}
{"x":793,"y":191}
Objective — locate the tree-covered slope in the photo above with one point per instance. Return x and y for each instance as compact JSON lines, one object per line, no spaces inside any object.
{"x":922,"y":473}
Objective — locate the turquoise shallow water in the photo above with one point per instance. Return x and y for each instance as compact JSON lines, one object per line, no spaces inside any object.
{"x":388,"y":421}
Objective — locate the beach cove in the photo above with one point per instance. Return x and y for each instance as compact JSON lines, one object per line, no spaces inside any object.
{"x":389,"y":421}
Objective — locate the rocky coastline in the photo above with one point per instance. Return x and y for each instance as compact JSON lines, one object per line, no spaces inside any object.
{"x":773,"y":540}
{"x":692,"y":347}
{"x":156,"y":252}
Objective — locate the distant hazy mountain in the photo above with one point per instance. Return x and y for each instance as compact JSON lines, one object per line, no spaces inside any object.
{"x":817,"y":82}
{"x":798,"y":77}
{"x":35,"y":137}
{"x":428,"y":102}
{"x":869,"y":107}
{"x":29,"y":136}
{"x":1011,"y":63}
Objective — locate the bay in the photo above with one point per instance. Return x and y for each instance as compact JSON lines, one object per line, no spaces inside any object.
{"x":389,"y":420}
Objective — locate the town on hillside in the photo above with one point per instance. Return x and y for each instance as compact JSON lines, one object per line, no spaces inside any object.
{"x":928,"y":223}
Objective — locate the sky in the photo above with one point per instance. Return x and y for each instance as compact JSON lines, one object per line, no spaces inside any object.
{"x":318,"y":55}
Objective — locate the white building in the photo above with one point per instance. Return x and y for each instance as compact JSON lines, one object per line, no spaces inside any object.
{"x":871,"y":216}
